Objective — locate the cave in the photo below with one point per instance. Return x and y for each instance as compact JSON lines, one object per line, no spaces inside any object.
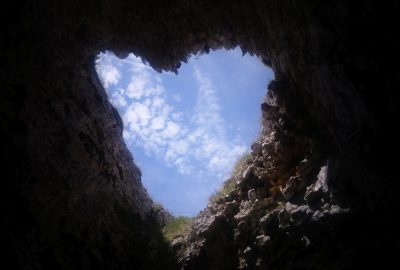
{"x":72,"y":196}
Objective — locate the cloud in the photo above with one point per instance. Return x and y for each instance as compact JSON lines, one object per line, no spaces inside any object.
{"x":158,"y":123}
{"x":190,"y":136}
{"x":108,"y":72}
{"x":215,"y":150}
{"x":172,"y":130}
{"x":118,"y":98}
{"x":136,"y":88}
{"x":190,"y":143}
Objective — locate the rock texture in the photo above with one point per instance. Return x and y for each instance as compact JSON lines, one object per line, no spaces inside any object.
{"x":321,"y":192}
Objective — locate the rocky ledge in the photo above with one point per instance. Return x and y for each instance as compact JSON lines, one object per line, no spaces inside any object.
{"x":283,"y":212}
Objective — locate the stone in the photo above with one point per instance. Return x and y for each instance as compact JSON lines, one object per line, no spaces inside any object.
{"x":264,"y":203}
{"x":247,"y":250}
{"x":304,"y":167}
{"x":248,"y":253}
{"x":245,"y":208}
{"x":300,"y":214}
{"x":242,"y":264}
{"x":270,"y":221}
{"x":162,"y":216}
{"x":259,"y":263}
{"x":262,"y":193}
{"x":305,"y":240}
{"x":293,"y":185}
{"x":177,"y":242}
{"x":231,"y":208}
{"x":316,"y":191}
{"x":284,"y":219}
{"x":262,"y":240}
{"x":256,"y":148}
{"x":236,"y":235}
{"x":252,"y":195}
{"x":288,"y":192}
{"x":248,"y":173}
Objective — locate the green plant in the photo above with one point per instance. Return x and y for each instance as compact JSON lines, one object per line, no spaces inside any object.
{"x":241,"y":164}
{"x":158,"y":207}
{"x":225,"y":189}
{"x":179,"y":226}
{"x":229,"y":184}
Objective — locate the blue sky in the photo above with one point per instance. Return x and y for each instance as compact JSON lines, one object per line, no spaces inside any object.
{"x":186,"y":131}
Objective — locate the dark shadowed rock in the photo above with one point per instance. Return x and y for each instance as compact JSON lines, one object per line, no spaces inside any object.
{"x":71,"y":195}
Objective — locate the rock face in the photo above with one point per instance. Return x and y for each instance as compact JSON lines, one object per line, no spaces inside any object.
{"x":321,"y":191}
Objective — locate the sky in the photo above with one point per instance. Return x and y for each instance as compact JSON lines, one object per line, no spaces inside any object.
{"x":186,"y":131}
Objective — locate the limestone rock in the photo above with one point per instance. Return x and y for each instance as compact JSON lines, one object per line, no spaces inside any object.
{"x":262,"y":240}
{"x":72,"y":196}
{"x":316,"y":191}
{"x":252,"y":195}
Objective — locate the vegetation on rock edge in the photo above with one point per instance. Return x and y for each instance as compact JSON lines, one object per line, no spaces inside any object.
{"x":229,"y":185}
{"x":179,"y":226}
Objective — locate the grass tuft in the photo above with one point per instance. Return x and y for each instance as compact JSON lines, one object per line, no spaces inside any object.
{"x":179,"y":226}
{"x":229,"y":185}
{"x":240,"y":165}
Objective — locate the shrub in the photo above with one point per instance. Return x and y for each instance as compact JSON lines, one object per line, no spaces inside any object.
{"x":226,"y":188}
{"x":158,"y":207}
{"x":229,"y":184}
{"x":240,"y":165}
{"x":179,"y":226}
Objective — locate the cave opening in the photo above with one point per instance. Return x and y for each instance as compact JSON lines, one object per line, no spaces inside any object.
{"x":71,"y":194}
{"x":186,"y":131}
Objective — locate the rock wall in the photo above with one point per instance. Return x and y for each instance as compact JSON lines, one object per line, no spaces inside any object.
{"x":321,"y":191}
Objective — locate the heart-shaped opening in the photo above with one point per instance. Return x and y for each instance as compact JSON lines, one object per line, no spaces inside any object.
{"x":187,"y":130}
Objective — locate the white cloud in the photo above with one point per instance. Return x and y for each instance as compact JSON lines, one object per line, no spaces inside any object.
{"x":172,"y":129}
{"x":181,"y":147}
{"x":137,"y":116}
{"x":109,"y":74}
{"x":176,"y":116}
{"x":207,"y":110}
{"x":118,"y":98}
{"x":136,"y":88}
{"x":216,"y":152}
{"x":154,"y":91}
{"x":131,"y":118}
{"x":158,"y":123}
{"x":158,"y":102}
{"x":199,"y":145}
